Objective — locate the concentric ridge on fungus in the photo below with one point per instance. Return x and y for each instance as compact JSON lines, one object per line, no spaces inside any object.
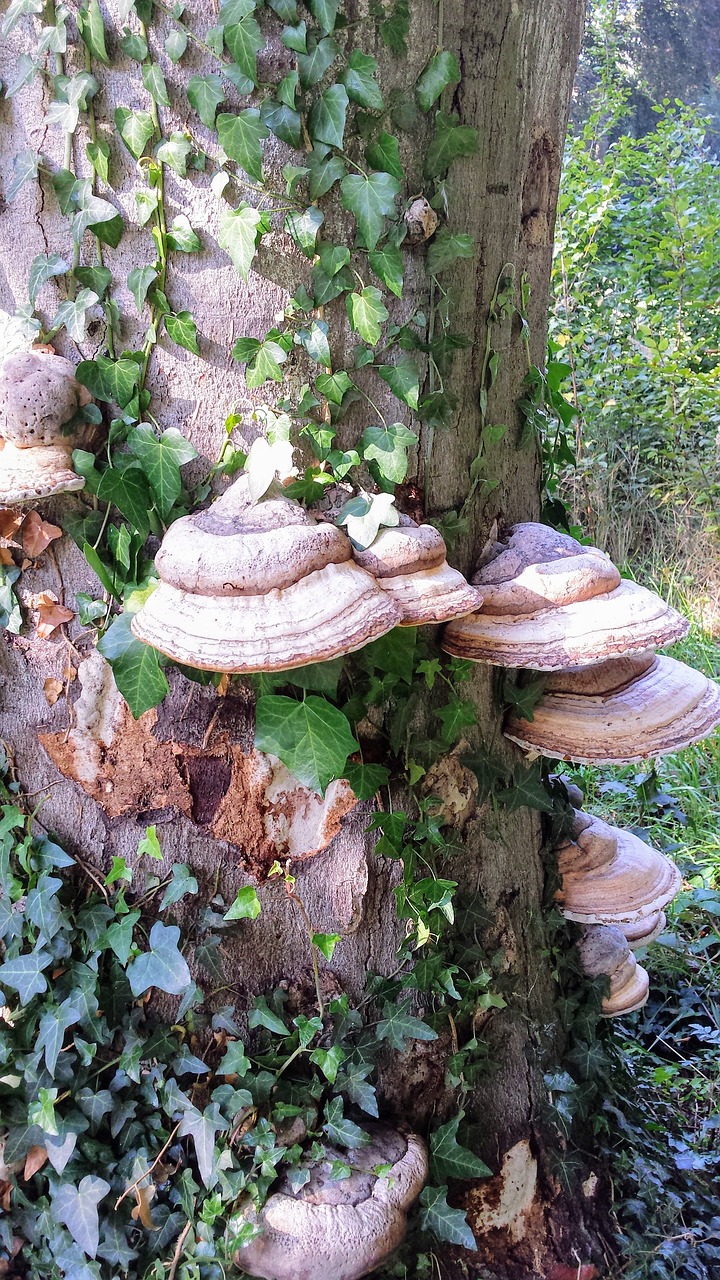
{"x":609,"y":876}
{"x":260,"y":588}
{"x":621,"y":711}
{"x":604,"y":950}
{"x":550,"y":603}
{"x":408,"y":562}
{"x":39,"y":397}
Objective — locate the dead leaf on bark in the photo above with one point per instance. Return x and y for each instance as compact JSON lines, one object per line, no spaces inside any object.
{"x":53,"y":689}
{"x":144,"y":1197}
{"x":37,"y":534}
{"x":34,"y":1160}
{"x":6,"y":556}
{"x":10,"y":522}
{"x":51,"y":614}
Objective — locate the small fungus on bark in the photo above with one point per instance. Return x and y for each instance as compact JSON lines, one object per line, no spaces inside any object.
{"x":604,"y":950}
{"x":550,"y":603}
{"x":409,"y":564}
{"x":609,"y":876}
{"x":263,"y":587}
{"x":40,"y":400}
{"x":339,"y":1229}
{"x":620,"y":711}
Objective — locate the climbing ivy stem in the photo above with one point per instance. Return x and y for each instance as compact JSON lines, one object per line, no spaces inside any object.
{"x":92,"y":124}
{"x":156,"y":178}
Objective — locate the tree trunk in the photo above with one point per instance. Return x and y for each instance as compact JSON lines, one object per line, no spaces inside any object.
{"x":186,"y":767}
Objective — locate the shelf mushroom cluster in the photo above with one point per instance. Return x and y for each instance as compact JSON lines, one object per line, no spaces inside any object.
{"x":40,"y":425}
{"x":554,"y":606}
{"x":248,"y":587}
{"x":616,"y":886}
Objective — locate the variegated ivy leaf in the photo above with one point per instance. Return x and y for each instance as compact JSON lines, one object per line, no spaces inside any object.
{"x":266,"y":461}
{"x":73,"y":314}
{"x":363,"y":516}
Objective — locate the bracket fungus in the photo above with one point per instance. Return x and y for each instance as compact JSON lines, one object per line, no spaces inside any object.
{"x":40,"y":400}
{"x":609,"y":876}
{"x":549,"y":603}
{"x":408,"y":562}
{"x":261,"y":587}
{"x":333,"y":1229}
{"x":604,"y":950}
{"x":622,"y":710}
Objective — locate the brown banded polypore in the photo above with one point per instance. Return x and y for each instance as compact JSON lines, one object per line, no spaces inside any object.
{"x":549,"y":603}
{"x":339,"y":1229}
{"x":40,"y":399}
{"x":609,"y":876}
{"x":261,"y":587}
{"x":605,"y":951}
{"x":621,"y":711}
{"x":409,"y":563}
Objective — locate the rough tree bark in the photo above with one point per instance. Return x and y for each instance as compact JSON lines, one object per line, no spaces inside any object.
{"x":185,"y":766}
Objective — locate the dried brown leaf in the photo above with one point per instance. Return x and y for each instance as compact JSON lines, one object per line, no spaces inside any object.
{"x":34,"y":1160}
{"x":51,"y":614}
{"x":37,"y":534}
{"x":53,"y":689}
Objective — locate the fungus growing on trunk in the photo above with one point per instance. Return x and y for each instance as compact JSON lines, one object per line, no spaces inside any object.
{"x":40,"y":402}
{"x":609,"y":876}
{"x":550,"y":603}
{"x":339,"y":1229}
{"x":262,"y":587}
{"x":620,"y":711}
{"x":604,"y":950}
{"x":409,"y":563}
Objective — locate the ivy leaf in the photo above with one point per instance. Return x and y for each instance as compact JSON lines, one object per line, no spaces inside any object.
{"x":110,"y":380}
{"x":333,"y":257}
{"x":353,"y":1082}
{"x":175,"y":45}
{"x":135,"y":666}
{"x":363,"y":516}
{"x":99,"y":216}
{"x":287,"y":90}
{"x":319,"y":58}
{"x":240,"y":233}
{"x":162,"y":966}
{"x":92,"y":31}
{"x":161,"y":460}
{"x":326,"y":122}
{"x":403,"y":380}
{"x":25,"y":169}
{"x":312,"y":738}
{"x":202,"y":1126}
{"x":527,"y":791}
{"x":449,"y":1159}
{"x":98,"y":153}
{"x":370,"y":198}
{"x":232,"y":11}
{"x":133,"y":46}
{"x":454,"y":718}
{"x":367,"y":313}
{"x":77,"y":1208}
{"x":446,"y":248}
{"x":284,"y":121}
{"x":262,"y":1016}
{"x":51,"y":1033}
{"x":523,"y":698}
{"x":333,"y":386}
{"x":139,"y":281}
{"x":244,"y":41}
{"x":325,"y":13}
{"x":73,"y":314}
{"x":358,"y":80}
{"x":324,"y":170}
{"x":444,"y":1222}
{"x":384,"y":155}
{"x":266,"y":365}
{"x":43,"y":268}
{"x":247,"y":905}
{"x":130,"y":492}
{"x":294,"y":37}
{"x":315,"y":341}
{"x":25,"y":974}
{"x":95,"y":278}
{"x":441,"y":70}
{"x":42,"y":907}
{"x":304,"y":228}
{"x":235,"y":1062}
{"x":387,"y":264}
{"x":387,"y":448}
{"x":366,"y":779}
{"x":326,"y":943}
{"x":451,"y":141}
{"x":341,"y":1130}
{"x":154,"y":82}
{"x":240,"y":137}
{"x":174,"y":153}
{"x":136,"y":128}
{"x":205,"y":94}
{"x":183,"y":330}
{"x":394,"y":30}
{"x":397,"y":1026}
{"x":181,"y":236}
{"x":182,"y":883}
